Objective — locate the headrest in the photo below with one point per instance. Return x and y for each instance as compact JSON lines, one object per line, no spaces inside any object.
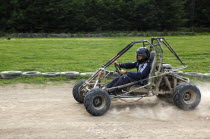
{"x":152,"y":55}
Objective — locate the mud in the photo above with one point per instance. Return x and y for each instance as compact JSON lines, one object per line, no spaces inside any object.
{"x":31,"y":111}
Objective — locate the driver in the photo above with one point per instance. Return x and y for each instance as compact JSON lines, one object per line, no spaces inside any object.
{"x":142,"y":64}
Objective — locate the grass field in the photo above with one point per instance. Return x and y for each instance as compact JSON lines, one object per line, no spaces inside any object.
{"x":88,"y":54}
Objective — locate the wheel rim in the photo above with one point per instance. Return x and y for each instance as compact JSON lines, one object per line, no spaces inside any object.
{"x":189,"y":96}
{"x":99,"y":102}
{"x":82,"y":91}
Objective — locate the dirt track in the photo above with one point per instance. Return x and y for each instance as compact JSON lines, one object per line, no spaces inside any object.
{"x":28,"y":111}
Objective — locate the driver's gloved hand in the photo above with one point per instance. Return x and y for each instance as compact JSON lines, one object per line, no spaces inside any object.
{"x":116,"y":63}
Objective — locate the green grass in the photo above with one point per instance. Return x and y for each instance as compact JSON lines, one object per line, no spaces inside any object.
{"x":88,"y":54}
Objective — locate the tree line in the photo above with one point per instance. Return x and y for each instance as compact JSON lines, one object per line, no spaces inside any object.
{"x":64,"y":16}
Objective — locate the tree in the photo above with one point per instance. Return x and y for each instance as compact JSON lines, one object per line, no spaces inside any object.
{"x":102,"y":15}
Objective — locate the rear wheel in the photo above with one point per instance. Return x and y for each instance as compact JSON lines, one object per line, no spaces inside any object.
{"x":97,"y":102}
{"x":187,"y":96}
{"x":77,"y":93}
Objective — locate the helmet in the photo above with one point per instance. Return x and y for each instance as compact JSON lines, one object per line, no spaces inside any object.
{"x":144,"y":52}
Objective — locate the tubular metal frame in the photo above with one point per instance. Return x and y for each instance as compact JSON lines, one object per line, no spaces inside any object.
{"x":160,"y":74}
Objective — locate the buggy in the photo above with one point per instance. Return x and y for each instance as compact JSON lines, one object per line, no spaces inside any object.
{"x":163,"y":81}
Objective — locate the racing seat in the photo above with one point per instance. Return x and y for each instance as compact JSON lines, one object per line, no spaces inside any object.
{"x":153,"y":59}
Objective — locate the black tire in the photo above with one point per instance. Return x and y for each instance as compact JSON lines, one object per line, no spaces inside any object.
{"x":78,"y":95}
{"x":187,"y":96}
{"x":97,"y":102}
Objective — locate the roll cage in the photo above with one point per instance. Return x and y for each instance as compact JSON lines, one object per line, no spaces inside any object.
{"x":158,"y":72}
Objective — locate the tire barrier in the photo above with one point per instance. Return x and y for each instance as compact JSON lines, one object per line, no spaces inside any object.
{"x":179,"y":72}
{"x":207,"y":75}
{"x":193,"y":74}
{"x":75,"y":74}
{"x":10,"y":74}
{"x":167,"y":66}
{"x":51,"y":74}
{"x":31,"y":73}
{"x":112,"y":74}
{"x":86,"y":74}
{"x":70,"y":74}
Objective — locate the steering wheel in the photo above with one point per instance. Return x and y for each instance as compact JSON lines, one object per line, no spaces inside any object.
{"x":117,"y":67}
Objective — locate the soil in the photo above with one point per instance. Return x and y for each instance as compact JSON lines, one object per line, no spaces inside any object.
{"x":34,"y":111}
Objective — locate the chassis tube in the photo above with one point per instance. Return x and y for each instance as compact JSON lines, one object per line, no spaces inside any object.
{"x":98,"y":78}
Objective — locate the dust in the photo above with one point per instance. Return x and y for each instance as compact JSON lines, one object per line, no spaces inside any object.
{"x":164,"y":110}
{"x":204,"y":107}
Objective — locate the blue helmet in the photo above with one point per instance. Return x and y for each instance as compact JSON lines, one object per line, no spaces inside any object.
{"x":144,"y":52}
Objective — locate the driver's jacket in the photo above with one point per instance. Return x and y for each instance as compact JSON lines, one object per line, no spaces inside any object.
{"x":143,"y":69}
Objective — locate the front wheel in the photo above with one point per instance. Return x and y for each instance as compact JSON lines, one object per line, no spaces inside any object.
{"x":187,"y":96}
{"x":97,"y":102}
{"x":78,"y":94}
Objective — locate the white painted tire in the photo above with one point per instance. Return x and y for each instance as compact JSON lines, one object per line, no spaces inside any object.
{"x":86,"y":74}
{"x":10,"y":74}
{"x":70,"y":74}
{"x":167,"y":66}
{"x":194,"y":74}
{"x":51,"y":74}
{"x":109,"y":74}
{"x":207,"y":75}
{"x":179,"y":72}
{"x":31,"y":73}
{"x":116,"y":74}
